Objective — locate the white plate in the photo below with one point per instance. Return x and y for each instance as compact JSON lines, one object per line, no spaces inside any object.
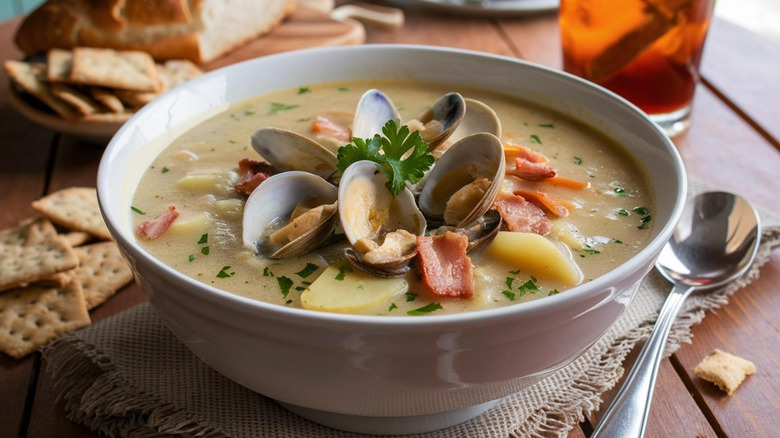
{"x":487,"y":7}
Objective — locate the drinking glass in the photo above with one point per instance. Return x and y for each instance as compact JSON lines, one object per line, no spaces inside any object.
{"x":647,"y":51}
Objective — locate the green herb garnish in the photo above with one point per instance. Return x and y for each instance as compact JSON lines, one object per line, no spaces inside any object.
{"x":249,"y":112}
{"x":424,"y":310}
{"x":223,"y":273}
{"x":165,"y":169}
{"x":509,"y":294}
{"x":137,"y":210}
{"x":304,"y":90}
{"x":342,"y":272}
{"x":641,"y":210}
{"x":267,"y":272}
{"x":343,"y":88}
{"x":515,"y":272}
{"x":204,"y":250}
{"x":617,"y":241}
{"x":645,"y":222}
{"x":203,"y":239}
{"x":509,"y":281}
{"x":410,"y":297}
{"x":553,"y":292}
{"x":284,"y":284}
{"x":546,"y":125}
{"x":577,"y":160}
{"x":386,"y":151}
{"x":623,"y":212}
{"x":536,"y":138}
{"x":620,"y":191}
{"x":275,"y":107}
{"x":191,"y":257}
{"x":392,"y":307}
{"x":308,"y":270}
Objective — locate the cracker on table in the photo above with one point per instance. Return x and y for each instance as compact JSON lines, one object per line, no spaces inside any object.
{"x":31,"y":316}
{"x":79,"y":101}
{"x":107,"y":98}
{"x":58,"y":280}
{"x":176,"y":72}
{"x":31,"y":252}
{"x":59,"y":63}
{"x":75,"y":208}
{"x":127,"y":70}
{"x":136,"y":99}
{"x":31,"y":78}
{"x":102,"y":271}
{"x":108,"y":117}
{"x":76,"y":238}
{"x":725,"y":370}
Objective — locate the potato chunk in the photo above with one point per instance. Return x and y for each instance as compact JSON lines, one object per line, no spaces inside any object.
{"x":535,"y":255}
{"x":344,"y":289}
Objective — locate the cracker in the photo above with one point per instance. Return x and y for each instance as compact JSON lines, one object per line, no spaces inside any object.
{"x":59,"y":63}
{"x":176,"y":72}
{"x":135,"y":99}
{"x":109,"y":117}
{"x":108,"y":99}
{"x":76,"y":238}
{"x":75,"y":208}
{"x":127,"y":70}
{"x":725,"y":370}
{"x":58,"y":280}
{"x":31,"y":78}
{"x":32,"y":252}
{"x":79,"y":101}
{"x":31,"y":316}
{"x":102,"y":271}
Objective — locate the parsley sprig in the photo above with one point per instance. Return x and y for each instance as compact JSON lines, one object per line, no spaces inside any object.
{"x":387,"y":152}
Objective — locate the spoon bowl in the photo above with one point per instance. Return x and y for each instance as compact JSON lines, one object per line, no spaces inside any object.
{"x":714,"y":243}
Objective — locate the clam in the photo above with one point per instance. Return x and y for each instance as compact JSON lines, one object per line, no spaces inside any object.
{"x":441,"y":119}
{"x":480,"y":233}
{"x":479,"y":117}
{"x":289,"y":214}
{"x":381,"y":229}
{"x":465,"y":182}
{"x":288,"y":150}
{"x":373,"y":110}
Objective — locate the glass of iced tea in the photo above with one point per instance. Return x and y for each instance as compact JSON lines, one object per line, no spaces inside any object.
{"x":647,"y":51}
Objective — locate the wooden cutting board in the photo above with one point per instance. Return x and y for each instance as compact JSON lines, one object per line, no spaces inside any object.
{"x":303,"y":29}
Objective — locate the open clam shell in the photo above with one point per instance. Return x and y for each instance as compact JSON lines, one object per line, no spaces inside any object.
{"x":373,"y":110}
{"x":479,"y":117}
{"x":272,"y":204}
{"x":442,"y":119}
{"x":287,"y":150}
{"x":476,"y":156}
{"x":369,"y":211}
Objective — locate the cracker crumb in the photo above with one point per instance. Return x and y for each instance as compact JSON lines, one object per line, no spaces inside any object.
{"x":725,"y":370}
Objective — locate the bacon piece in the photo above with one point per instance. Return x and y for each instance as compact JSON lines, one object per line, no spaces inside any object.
{"x":155,"y":228}
{"x":446,"y":269}
{"x":528,"y":170}
{"x":523,"y":216}
{"x":251,"y":174}
{"x":557,"y":207}
{"x":325,"y":126}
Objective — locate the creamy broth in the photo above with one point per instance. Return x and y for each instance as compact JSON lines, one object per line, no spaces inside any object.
{"x":609,"y":221}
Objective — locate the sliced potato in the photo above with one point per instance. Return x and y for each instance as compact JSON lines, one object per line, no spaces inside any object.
{"x":196,"y":223}
{"x":535,"y":255}
{"x":214,"y":183}
{"x":344,"y":289}
{"x":229,"y":207}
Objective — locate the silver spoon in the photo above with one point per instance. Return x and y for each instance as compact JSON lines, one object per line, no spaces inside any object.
{"x":714,"y":243}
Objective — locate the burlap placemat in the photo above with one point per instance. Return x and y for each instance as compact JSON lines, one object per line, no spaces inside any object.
{"x":128,"y":376}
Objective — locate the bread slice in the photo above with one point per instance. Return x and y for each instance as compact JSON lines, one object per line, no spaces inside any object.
{"x":198,"y":30}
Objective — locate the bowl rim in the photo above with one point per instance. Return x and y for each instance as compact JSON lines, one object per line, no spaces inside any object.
{"x":245,"y":305}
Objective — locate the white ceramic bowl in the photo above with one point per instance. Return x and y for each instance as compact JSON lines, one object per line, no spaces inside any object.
{"x":386,"y":374}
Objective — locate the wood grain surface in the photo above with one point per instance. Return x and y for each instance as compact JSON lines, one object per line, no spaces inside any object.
{"x":733,"y":143}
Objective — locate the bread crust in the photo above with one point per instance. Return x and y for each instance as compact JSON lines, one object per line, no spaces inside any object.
{"x":166,"y":29}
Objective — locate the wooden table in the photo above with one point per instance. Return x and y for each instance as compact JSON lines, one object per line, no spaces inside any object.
{"x":734,"y":144}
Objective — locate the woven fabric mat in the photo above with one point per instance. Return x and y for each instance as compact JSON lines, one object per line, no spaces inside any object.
{"x":128,"y":376}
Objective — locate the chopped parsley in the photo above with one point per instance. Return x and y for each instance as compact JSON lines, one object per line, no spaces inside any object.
{"x":137,"y":210}
{"x":343,"y":88}
{"x":342,"y":271}
{"x":424,"y":310}
{"x":641,"y":210}
{"x":284,"y":284}
{"x":410,"y":297}
{"x":553,"y":292}
{"x":577,"y":160}
{"x":275,"y":107}
{"x":386,"y":151}
{"x":645,"y":222}
{"x":392,"y":307}
{"x":620,"y":191}
{"x":204,"y":250}
{"x":617,"y":241}
{"x":304,"y":90}
{"x":546,"y":125}
{"x":509,"y":294}
{"x":267,"y":272}
{"x":191,"y":257}
{"x":223,"y":273}
{"x":509,"y":281}
{"x":623,"y":212}
{"x":165,"y":169}
{"x":536,"y":138}
{"x":515,"y":272}
{"x":203,"y":239}
{"x":249,"y":112}
{"x":308,"y":270}
{"x":300,"y":288}
{"x":589,"y":250}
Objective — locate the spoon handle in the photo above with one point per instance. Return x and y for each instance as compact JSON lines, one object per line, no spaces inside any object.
{"x":626,"y":417}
